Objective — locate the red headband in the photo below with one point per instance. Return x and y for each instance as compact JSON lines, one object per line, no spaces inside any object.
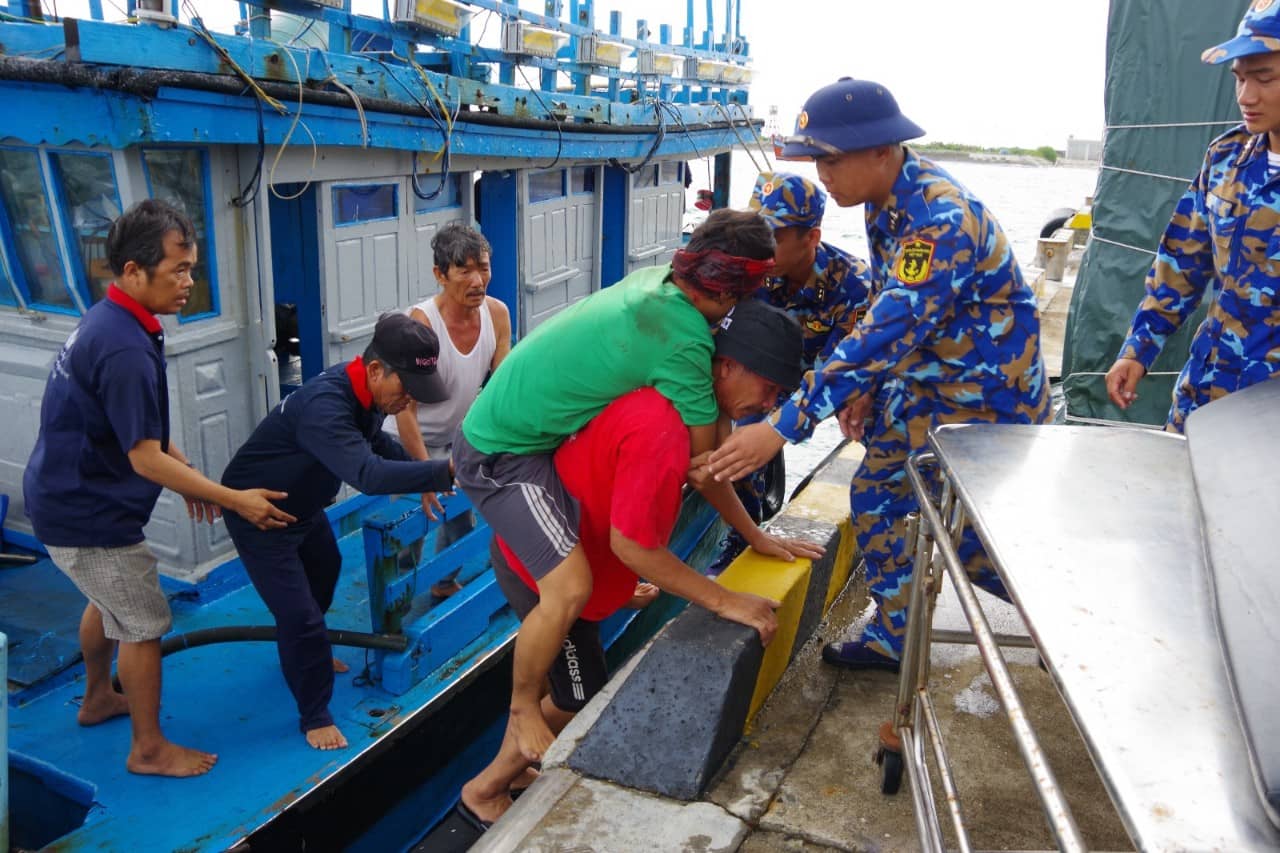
{"x":719,"y":272}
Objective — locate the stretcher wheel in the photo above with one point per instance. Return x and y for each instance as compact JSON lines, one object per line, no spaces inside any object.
{"x":890,"y":762}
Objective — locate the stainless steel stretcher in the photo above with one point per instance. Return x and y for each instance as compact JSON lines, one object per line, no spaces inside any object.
{"x":1113,"y":584}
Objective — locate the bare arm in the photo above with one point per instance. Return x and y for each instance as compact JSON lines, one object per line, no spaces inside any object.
{"x":173,"y":472}
{"x":721,"y":495}
{"x":662,"y":568}
{"x":501,"y":330}
{"x":410,"y":436}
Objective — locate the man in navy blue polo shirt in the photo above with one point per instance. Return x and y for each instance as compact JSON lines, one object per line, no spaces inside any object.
{"x":326,"y":433}
{"x":100,"y":460}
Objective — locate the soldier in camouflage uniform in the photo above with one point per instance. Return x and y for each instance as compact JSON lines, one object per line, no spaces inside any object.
{"x":823,"y":287}
{"x":951,"y":323}
{"x":1224,"y":235}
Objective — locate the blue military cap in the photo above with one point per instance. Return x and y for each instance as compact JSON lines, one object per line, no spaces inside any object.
{"x":848,"y":115}
{"x":784,"y":200}
{"x":1259,"y":32}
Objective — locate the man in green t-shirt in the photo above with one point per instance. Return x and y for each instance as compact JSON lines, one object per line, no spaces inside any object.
{"x":653,"y":328}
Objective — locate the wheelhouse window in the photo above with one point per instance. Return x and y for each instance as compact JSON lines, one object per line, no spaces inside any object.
{"x":583,"y":180}
{"x":91,"y":203}
{"x":179,"y":176}
{"x":353,"y":205}
{"x":671,"y":172}
{"x":26,"y":226}
{"x":546,"y":186}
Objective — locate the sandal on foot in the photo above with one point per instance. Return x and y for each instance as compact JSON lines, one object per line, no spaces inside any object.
{"x":472,"y":819}
{"x":858,"y":656}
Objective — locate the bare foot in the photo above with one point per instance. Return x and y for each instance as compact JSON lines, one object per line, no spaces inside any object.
{"x":339,"y":666}
{"x":327,"y":737}
{"x":487,"y":810}
{"x":531,"y":732}
{"x":524,"y":780}
{"x":102,"y":708}
{"x":169,"y":759}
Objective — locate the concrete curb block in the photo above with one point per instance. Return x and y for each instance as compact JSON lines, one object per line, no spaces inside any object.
{"x":680,"y":712}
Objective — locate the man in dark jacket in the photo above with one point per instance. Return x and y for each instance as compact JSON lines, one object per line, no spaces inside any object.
{"x":326,"y":433}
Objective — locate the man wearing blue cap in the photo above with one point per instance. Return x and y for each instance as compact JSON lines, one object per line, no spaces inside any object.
{"x":951,"y":325}
{"x":1224,"y":234}
{"x":823,"y":287}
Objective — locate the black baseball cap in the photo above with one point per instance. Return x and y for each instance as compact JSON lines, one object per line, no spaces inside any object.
{"x":764,"y":340}
{"x":412,"y":350}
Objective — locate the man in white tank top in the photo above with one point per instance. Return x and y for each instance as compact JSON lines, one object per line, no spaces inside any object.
{"x":475,"y":335}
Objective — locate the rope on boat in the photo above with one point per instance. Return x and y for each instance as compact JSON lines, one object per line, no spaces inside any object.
{"x":746,"y":119}
{"x":297,"y":118}
{"x":1095,"y":236}
{"x":1176,"y":178}
{"x":1172,"y":125}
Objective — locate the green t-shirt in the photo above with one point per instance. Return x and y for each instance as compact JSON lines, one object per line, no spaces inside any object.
{"x":642,"y":331}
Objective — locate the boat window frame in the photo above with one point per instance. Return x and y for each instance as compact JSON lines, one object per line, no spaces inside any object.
{"x":73,"y":260}
{"x":393,"y":185}
{"x":10,"y":295}
{"x":18,"y":275}
{"x":540,"y":194}
{"x":208,"y":251}
{"x":590,"y":180}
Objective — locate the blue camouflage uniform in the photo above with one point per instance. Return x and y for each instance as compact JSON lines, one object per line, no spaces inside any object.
{"x":1224,"y":234}
{"x":827,"y":306}
{"x":955,"y":330}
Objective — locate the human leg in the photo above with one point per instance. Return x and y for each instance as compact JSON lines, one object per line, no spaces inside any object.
{"x":273,"y":561}
{"x":323,"y":563}
{"x":576,"y":674}
{"x":562,"y":594}
{"x":880,"y":501}
{"x":151,"y":752}
{"x":525,"y":503}
{"x":127,"y":607}
{"x":101,"y":701}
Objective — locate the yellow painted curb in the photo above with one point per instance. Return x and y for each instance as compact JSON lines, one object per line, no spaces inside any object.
{"x":784,"y":582}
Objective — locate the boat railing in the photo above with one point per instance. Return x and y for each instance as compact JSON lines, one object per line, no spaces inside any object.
{"x":445,"y":55}
{"x":440,"y":602}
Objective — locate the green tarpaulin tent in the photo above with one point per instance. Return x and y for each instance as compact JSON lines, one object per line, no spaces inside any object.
{"x":1163,"y":106}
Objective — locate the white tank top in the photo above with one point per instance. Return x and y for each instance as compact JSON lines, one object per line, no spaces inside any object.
{"x":462,"y":375}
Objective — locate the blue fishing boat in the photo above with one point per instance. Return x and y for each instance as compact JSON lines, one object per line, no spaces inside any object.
{"x":317,"y":151}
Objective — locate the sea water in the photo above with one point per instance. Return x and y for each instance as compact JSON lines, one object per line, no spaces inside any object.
{"x":1022,"y":198}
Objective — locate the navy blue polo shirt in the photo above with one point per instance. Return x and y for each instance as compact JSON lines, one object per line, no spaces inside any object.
{"x":324,"y":434}
{"x":106,"y":392}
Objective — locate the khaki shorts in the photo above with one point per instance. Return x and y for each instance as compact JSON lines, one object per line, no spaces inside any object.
{"x":123,"y":584}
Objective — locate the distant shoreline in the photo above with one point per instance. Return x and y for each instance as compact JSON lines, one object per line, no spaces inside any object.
{"x":994,"y":157}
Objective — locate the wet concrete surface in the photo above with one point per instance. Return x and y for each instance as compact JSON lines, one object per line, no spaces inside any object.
{"x":805,"y":780}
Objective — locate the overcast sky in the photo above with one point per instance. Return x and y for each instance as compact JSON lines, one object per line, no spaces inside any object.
{"x":990,"y":72}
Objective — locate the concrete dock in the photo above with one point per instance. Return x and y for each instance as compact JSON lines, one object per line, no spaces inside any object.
{"x":802,"y":777}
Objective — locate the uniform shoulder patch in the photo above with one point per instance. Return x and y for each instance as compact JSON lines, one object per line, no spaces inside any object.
{"x":915,"y":261}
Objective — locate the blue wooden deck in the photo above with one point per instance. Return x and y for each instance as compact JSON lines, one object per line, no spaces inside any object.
{"x":229,"y":699}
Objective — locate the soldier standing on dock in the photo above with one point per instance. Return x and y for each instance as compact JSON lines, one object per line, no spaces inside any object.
{"x":951,"y":323}
{"x":1222,"y":237}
